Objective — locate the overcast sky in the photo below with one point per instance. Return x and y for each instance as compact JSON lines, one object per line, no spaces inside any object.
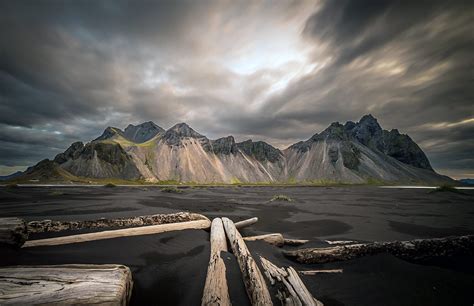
{"x":277,"y":71}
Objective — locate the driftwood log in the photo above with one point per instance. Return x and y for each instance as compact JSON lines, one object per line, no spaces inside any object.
{"x":65,"y":285}
{"x":274,"y":239}
{"x":57,"y":226}
{"x":411,"y":250}
{"x":295,"y":241}
{"x":215,"y":288}
{"x":255,"y":286}
{"x":13,"y":231}
{"x":244,"y":223}
{"x":126,"y":232}
{"x":314,"y":272}
{"x":291,"y":289}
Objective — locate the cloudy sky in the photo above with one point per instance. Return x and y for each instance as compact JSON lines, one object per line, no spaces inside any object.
{"x":276,"y":70}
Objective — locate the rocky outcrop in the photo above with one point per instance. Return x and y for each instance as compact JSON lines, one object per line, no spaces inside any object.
{"x":142,"y":132}
{"x":260,"y":150}
{"x":109,"y":133}
{"x":399,"y":146}
{"x":102,"y":160}
{"x":72,"y":152}
{"x":224,"y":145}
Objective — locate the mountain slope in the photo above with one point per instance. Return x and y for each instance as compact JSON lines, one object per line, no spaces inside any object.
{"x":350,"y":153}
{"x":142,"y":132}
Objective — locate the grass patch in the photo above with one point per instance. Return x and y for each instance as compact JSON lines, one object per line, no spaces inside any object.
{"x":281,"y":197}
{"x":446,"y":188}
{"x":110,"y":185}
{"x":171,"y":190}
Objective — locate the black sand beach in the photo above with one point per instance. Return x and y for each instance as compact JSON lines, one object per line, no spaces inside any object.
{"x":170,"y":268}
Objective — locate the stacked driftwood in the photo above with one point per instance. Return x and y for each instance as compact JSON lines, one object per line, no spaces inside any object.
{"x":216,"y":290}
{"x":78,"y":284}
{"x":111,"y":284}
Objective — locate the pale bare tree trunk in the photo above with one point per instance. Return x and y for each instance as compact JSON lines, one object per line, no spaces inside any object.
{"x":215,"y":290}
{"x":66,"y":285}
{"x":127,"y":232}
{"x":414,"y":249}
{"x":254,"y":282}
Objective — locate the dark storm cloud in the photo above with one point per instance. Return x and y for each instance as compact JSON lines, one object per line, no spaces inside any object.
{"x":70,"y":68}
{"x":409,"y":63}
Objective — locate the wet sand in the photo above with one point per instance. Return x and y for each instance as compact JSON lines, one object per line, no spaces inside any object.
{"x":170,"y":268}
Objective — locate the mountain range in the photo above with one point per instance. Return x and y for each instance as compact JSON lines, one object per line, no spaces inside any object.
{"x":354,"y":152}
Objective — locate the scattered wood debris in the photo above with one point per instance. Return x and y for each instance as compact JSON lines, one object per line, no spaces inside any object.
{"x":414,"y":249}
{"x":291,"y":289}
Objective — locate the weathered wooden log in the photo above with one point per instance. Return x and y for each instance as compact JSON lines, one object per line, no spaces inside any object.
{"x":56,"y":226}
{"x":255,"y":286}
{"x":215,"y":288}
{"x":295,"y":241}
{"x":126,"y":232}
{"x":13,"y":231}
{"x":244,"y":223}
{"x":291,"y":289}
{"x":274,"y":239}
{"x":331,"y":242}
{"x":411,"y":250}
{"x":314,"y":272}
{"x":65,"y":285}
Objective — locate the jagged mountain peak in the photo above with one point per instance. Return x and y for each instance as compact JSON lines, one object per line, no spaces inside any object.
{"x":224,"y":145}
{"x":147,"y":124}
{"x":109,"y":132}
{"x":350,"y":152}
{"x":142,"y":132}
{"x":183,"y":130}
{"x":260,"y":150}
{"x":175,"y":134}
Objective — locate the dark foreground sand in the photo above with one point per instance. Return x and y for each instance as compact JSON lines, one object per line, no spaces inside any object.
{"x":170,"y":268}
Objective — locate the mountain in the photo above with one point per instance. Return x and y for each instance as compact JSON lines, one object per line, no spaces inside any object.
{"x":467,"y":181}
{"x":142,"y":132}
{"x":354,"y":152}
{"x":10,"y":176}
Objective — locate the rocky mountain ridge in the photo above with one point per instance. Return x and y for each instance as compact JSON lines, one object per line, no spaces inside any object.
{"x":354,"y":152}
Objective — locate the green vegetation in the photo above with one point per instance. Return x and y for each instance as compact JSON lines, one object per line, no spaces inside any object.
{"x":235,"y":181}
{"x":375,"y":182}
{"x":281,"y":197}
{"x":171,"y":190}
{"x":110,"y":185}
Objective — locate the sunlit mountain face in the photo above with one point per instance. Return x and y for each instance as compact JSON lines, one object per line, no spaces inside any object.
{"x":276,"y":71}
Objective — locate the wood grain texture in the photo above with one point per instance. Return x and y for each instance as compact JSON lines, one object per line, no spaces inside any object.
{"x":127,"y":232}
{"x":290,"y":287}
{"x":255,"y":285}
{"x":57,"y":226}
{"x":412,"y":250}
{"x":274,"y":239}
{"x":244,"y":223}
{"x":314,"y":272}
{"x":66,"y":285}
{"x":215,"y":289}
{"x":13,"y":231}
